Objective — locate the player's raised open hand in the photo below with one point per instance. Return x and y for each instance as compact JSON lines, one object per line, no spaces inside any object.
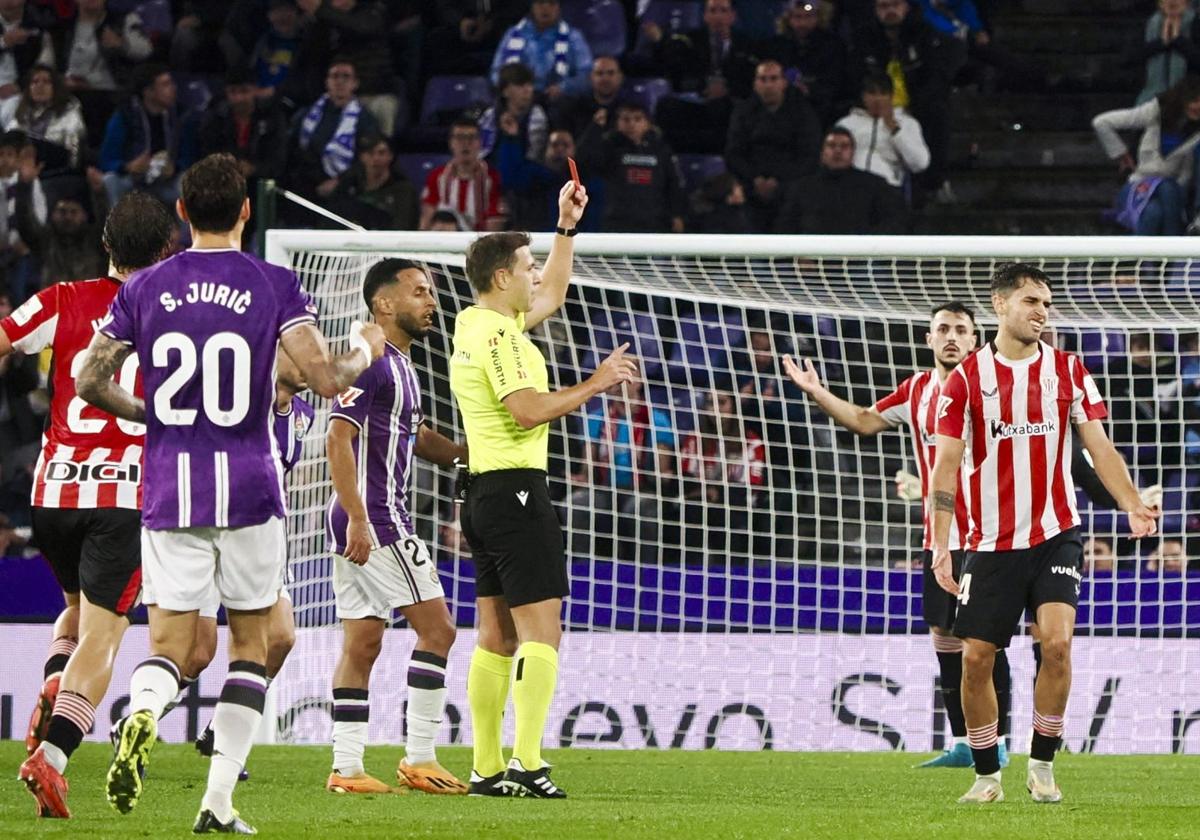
{"x":617,"y":368}
{"x":943,"y":570}
{"x":571,"y":201}
{"x":805,"y":377}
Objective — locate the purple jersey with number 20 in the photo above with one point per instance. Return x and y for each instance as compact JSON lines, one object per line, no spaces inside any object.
{"x":205,"y":325}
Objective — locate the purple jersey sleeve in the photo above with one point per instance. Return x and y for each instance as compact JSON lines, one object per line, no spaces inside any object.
{"x":354,"y":404}
{"x":296,"y":307}
{"x":118,"y":324}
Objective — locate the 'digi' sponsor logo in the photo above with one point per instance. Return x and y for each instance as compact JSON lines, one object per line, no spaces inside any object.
{"x":1066,"y":570}
{"x":1000,"y":429}
{"x":70,"y":472}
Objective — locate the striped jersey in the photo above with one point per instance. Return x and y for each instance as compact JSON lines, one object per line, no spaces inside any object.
{"x":206,"y":324}
{"x":474,"y":200}
{"x":1016,"y":418}
{"x":290,"y":428}
{"x":89,"y":458}
{"x":914,"y":403}
{"x":384,"y":404}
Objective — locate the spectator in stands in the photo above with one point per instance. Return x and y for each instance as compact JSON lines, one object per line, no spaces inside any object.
{"x":68,"y":242}
{"x":961,"y":20}
{"x":515,"y":102}
{"x":574,"y":113}
{"x":465,"y":33}
{"x":323,"y":138}
{"x":557,"y":52}
{"x":20,"y":430}
{"x":1153,"y":200}
{"x":255,"y":132}
{"x":1098,"y":557}
{"x":25,"y":42}
{"x":887,"y":141}
{"x":445,"y":220}
{"x":49,"y":116}
{"x":714,"y":60}
{"x":774,"y":139}
{"x":813,"y":57}
{"x":1168,"y":49}
{"x":626,"y":434}
{"x":465,"y":185}
{"x":719,"y":206}
{"x":356,"y":31}
{"x":643,"y":190}
{"x":922,"y":63}
{"x":1168,"y":558}
{"x":203,"y":40}
{"x":373,"y":192}
{"x":149,"y":140}
{"x":532,"y":186}
{"x":274,"y":54}
{"x":18,"y":265}
{"x":839,"y":198}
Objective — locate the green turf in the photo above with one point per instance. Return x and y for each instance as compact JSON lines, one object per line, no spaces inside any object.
{"x":649,"y":793}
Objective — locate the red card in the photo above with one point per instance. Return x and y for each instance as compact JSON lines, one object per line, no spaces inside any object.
{"x":574,"y":171}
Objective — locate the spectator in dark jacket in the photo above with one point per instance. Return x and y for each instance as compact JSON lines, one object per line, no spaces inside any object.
{"x":533,"y":186}
{"x":642,"y":186}
{"x":150,"y":139}
{"x":574,"y":113}
{"x":774,"y":138}
{"x":715,"y":54}
{"x":253,"y":132}
{"x":922,"y":63}
{"x":373,"y":192}
{"x":840,"y":198}
{"x":465,"y":34}
{"x":719,"y":206}
{"x":68,"y":242}
{"x":26,"y":42}
{"x":813,"y":57}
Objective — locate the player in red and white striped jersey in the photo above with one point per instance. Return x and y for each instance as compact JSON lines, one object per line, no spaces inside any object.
{"x":86,"y":495}
{"x":951,"y":337}
{"x":1010,"y":409}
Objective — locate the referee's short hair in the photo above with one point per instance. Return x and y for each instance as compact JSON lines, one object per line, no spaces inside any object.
{"x":491,"y":253}
{"x":1010,"y":276}
{"x":384,"y":273}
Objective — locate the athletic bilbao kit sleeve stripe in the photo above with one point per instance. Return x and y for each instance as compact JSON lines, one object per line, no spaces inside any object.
{"x":30,"y":328}
{"x":1086,"y":402}
{"x":894,"y":407}
{"x":953,"y":408}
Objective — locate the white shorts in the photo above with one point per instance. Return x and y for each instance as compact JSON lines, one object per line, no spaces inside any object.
{"x":397,"y":575}
{"x":211,"y":609}
{"x":192,"y":568}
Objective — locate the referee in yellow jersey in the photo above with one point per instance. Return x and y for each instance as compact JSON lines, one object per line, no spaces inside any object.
{"x":499,"y":381}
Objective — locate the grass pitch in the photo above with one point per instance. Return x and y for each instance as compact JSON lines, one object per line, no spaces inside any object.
{"x":643,"y":794}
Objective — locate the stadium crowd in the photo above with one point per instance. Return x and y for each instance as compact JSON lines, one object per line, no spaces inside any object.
{"x":793,"y":116}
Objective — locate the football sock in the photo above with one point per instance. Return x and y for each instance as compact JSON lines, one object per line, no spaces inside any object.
{"x":949,"y":655}
{"x":185,"y":684}
{"x":1002,"y":680}
{"x":1047,"y":735}
{"x":56,"y":658}
{"x":351,"y":713}
{"x":985,"y":749}
{"x":426,"y":704}
{"x":153,"y":684}
{"x":487,"y":692}
{"x":533,"y":690}
{"x":73,"y":717}
{"x":235,"y":721}
{"x":1037,"y":660}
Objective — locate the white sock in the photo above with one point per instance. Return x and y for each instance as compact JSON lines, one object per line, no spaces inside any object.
{"x":234,"y":723}
{"x":153,"y":685}
{"x":55,"y":756}
{"x":349,"y":744}
{"x":1035,"y":763}
{"x":185,"y":685}
{"x":962,"y":740}
{"x":424,"y":719}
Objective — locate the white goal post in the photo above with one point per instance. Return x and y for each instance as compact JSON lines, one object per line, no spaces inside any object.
{"x":743,"y":574}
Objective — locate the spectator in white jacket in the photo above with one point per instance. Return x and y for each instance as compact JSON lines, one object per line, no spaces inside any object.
{"x":1154,"y":199}
{"x":887,"y":141}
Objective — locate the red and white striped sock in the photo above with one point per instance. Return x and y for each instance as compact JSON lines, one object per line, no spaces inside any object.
{"x":984,"y":741}
{"x":56,"y":658}
{"x":73,"y":717}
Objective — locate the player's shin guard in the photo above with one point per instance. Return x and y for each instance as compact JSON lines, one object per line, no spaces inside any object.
{"x":949,"y":655}
{"x":73,"y":717}
{"x":56,"y":658}
{"x":234,"y":724}
{"x":351,"y":714}
{"x":426,"y":705}
{"x":984,"y":743}
{"x":487,"y":692}
{"x":1047,"y":735}
{"x":533,"y":690}
{"x":153,"y":685}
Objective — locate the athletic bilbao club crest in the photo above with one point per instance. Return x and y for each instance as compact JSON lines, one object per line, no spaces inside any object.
{"x":943,"y":406}
{"x":348,"y":397}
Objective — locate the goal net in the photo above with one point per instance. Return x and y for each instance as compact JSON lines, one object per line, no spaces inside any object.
{"x":743,"y":572}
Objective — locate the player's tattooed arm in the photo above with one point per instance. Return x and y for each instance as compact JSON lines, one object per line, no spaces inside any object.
{"x":943,"y":501}
{"x":95,"y":381}
{"x":325,"y":374}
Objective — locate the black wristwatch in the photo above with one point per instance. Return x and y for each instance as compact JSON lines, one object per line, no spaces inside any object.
{"x":562,"y":231}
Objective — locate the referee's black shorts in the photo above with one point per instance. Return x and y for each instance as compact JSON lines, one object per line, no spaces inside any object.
{"x":94,"y":550}
{"x":515,"y":537}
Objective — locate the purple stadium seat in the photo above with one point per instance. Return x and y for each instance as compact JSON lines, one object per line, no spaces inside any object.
{"x":647,"y":92}
{"x":697,"y":169}
{"x":156,"y":17}
{"x":453,"y":93}
{"x":640,"y":331}
{"x":602,"y":23}
{"x":672,"y":16}
{"x":417,"y":167}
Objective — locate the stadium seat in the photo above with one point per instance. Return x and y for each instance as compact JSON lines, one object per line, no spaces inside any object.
{"x":417,"y":167}
{"x":608,"y":331}
{"x":647,"y":92}
{"x":672,"y":16}
{"x":445,"y":98}
{"x":602,"y":23}
{"x":156,"y":18}
{"x":696,"y":169}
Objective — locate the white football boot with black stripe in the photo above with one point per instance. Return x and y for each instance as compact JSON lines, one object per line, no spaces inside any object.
{"x":535,"y":784}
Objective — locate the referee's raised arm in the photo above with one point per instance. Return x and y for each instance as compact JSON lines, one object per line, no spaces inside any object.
{"x":556,"y":276}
